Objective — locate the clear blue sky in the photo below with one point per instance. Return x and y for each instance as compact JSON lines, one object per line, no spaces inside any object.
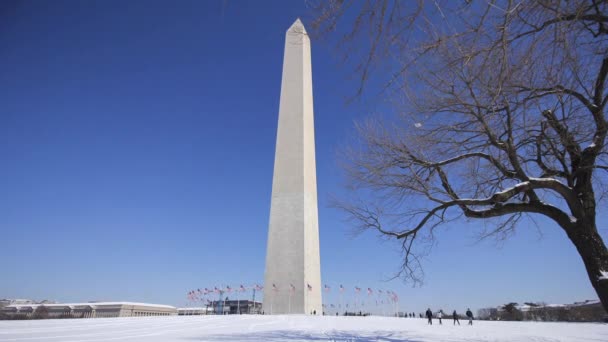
{"x":136,"y":157}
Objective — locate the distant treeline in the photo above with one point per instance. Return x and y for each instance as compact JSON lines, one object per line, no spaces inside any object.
{"x":583,"y":312}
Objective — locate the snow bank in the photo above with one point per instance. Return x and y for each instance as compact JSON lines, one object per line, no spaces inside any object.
{"x":292,"y":328}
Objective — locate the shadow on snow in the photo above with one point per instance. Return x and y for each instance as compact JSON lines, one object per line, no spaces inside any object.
{"x":285,"y":335}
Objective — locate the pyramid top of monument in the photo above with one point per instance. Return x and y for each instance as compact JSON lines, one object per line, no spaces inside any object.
{"x":297,"y":26}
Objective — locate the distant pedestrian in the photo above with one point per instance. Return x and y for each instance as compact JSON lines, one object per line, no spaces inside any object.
{"x":455,"y":317}
{"x":429,"y":315}
{"x":314,"y":312}
{"x":470,"y":316}
{"x":439,"y":315}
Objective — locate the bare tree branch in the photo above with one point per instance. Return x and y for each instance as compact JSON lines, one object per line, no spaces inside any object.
{"x":500,"y":116}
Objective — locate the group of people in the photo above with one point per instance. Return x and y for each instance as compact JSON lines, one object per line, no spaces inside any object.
{"x":429,"y":315}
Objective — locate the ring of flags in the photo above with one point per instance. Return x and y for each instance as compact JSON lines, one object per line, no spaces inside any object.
{"x":198,"y":295}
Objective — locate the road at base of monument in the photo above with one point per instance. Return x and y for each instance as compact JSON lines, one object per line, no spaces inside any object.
{"x":292,"y":328}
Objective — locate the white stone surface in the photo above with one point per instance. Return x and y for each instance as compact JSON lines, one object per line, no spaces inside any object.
{"x":293,"y":234}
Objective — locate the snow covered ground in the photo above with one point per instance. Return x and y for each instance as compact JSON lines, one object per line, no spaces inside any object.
{"x":292,"y":328}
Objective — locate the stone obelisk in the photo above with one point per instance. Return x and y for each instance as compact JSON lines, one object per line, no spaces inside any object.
{"x":292,"y":281}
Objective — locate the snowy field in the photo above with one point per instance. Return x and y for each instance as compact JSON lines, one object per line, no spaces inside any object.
{"x":292,"y":328}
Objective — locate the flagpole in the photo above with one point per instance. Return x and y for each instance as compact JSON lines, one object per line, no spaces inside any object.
{"x":224,"y":306}
{"x":219,"y":302}
{"x":253,"y":298}
{"x":395,"y":307}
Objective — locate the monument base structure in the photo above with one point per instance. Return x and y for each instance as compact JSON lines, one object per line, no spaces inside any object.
{"x":292,"y":281}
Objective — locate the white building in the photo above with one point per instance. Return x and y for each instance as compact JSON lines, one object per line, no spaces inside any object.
{"x":88,"y":310}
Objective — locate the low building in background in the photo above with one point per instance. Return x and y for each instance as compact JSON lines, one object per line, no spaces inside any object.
{"x":86,"y":310}
{"x":6,"y":302}
{"x":195,"y":311}
{"x":234,"y":307}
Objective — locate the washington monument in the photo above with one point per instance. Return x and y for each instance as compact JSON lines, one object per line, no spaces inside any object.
{"x":292,"y":282}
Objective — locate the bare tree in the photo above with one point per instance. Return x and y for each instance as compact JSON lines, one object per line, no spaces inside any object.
{"x":501,"y":116}
{"x":41,"y":312}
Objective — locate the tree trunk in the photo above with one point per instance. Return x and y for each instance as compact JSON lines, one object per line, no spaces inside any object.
{"x":592,"y":250}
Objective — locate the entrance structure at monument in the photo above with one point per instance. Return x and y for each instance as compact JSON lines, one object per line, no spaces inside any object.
{"x":292,"y":281}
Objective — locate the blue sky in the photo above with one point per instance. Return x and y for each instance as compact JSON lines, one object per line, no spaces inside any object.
{"x":136,"y":157}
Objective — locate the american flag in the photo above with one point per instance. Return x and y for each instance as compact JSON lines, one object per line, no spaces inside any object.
{"x":292,"y":288}
{"x":341,"y":288}
{"x":206,"y":290}
{"x":369,"y":291}
{"x":274,"y":287}
{"x":242,"y":288}
{"x":327,"y":288}
{"x":357,"y":289}
{"x":309,"y":287}
{"x":331,"y":305}
{"x":216,"y":290}
{"x":228,"y":289}
{"x":258,"y":287}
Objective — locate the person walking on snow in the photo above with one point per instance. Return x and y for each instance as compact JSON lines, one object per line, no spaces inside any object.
{"x":455,"y":316}
{"x":470,"y":316}
{"x":439,"y":315}
{"x":429,"y":315}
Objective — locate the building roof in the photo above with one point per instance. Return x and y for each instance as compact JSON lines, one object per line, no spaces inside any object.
{"x":94,"y":304}
{"x":195,"y":309}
